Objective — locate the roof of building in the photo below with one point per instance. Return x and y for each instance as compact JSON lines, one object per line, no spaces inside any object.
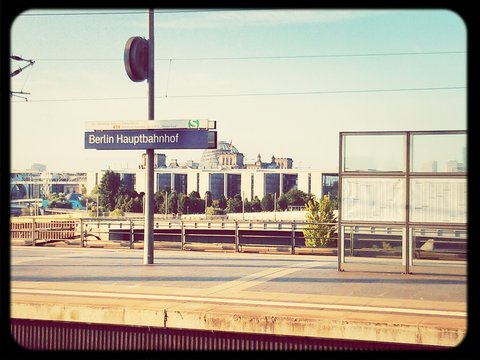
{"x":209,"y":158}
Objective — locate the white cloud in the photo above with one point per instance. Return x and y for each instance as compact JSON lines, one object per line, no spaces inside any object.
{"x":216,"y":19}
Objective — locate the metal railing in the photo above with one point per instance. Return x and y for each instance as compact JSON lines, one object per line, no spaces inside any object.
{"x":441,"y":244}
{"x":237,"y":236}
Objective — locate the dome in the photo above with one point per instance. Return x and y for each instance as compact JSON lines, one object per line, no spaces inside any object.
{"x":209,"y":158}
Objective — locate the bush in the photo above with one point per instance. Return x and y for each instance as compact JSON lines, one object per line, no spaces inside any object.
{"x":215,"y":211}
{"x":320,"y":215}
{"x":117,"y":212}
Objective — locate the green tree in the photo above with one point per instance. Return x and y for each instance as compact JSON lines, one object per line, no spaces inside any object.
{"x":320,"y":215}
{"x":234,"y":205}
{"x":208,"y":198}
{"x":222,"y":202}
{"x":182,"y":203}
{"x":282,"y":202}
{"x":110,"y":187}
{"x":248,"y":206}
{"x":59,"y":201}
{"x":117,"y":212}
{"x":173,"y":202}
{"x":268,"y":202}
{"x":296,"y":197}
{"x":158,"y":202}
{"x":196,"y":204}
{"x":137,"y":204}
{"x":256,"y":204}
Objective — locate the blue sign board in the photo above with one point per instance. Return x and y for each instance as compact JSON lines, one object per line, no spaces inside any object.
{"x":150,"y":139}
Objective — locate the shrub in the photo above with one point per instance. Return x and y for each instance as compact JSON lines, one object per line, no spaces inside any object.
{"x":215,"y":211}
{"x":117,"y":212}
{"x":319,"y":215}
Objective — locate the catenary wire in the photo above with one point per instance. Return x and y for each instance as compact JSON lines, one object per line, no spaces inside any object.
{"x":97,"y":13}
{"x":259,"y":94}
{"x":273,"y":57}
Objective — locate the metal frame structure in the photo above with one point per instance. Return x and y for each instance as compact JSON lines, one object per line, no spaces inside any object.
{"x":407,"y":226}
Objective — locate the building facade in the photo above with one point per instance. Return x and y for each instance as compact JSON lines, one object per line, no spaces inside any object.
{"x":36,"y":184}
{"x":247,"y":183}
{"x":221,"y":171}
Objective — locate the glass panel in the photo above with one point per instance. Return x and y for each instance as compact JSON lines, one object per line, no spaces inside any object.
{"x":128,"y":181}
{"x":372,"y":242}
{"x":440,"y":244}
{"x":289,"y":182}
{"x":373,"y":199}
{"x":438,"y":200}
{"x":439,"y":153}
{"x":374,"y":152}
{"x":180,"y":183}
{"x":272,"y":184}
{"x":330,"y":185}
{"x":216,"y":185}
{"x":164,"y":182}
{"x":233,"y":185}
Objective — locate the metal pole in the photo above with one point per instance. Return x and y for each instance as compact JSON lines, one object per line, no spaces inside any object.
{"x":82,"y":235}
{"x":243,"y":205}
{"x":148,"y":231}
{"x":166,"y":205}
{"x":407,"y":203}
{"x":33,"y":232}
{"x":132,"y":234}
{"x":275,"y":206}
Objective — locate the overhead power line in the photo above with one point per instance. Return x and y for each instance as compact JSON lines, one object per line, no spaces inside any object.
{"x":95,"y":13}
{"x":261,"y":94}
{"x":271,"y":57}
{"x":321,"y":92}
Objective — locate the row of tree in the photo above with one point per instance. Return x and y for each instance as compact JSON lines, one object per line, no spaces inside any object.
{"x":114,"y":197}
{"x":113,"y":194}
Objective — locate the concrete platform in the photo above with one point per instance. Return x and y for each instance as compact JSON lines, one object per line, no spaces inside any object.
{"x":300,"y":295}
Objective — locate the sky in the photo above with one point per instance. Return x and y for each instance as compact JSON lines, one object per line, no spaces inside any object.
{"x":277,"y":82}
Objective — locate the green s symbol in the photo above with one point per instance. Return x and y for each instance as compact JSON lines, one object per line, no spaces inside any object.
{"x":193,"y":123}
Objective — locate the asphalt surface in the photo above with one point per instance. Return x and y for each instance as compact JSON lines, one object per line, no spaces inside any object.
{"x":315,"y":275}
{"x":194,"y":284}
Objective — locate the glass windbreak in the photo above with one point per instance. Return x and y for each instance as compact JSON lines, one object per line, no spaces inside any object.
{"x":449,"y":244}
{"x":372,"y":242}
{"x":439,"y":153}
{"x":374,"y":153}
{"x":373,"y":199}
{"x":438,"y":200}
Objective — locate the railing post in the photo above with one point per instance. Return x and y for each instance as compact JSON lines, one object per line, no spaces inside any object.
{"x":132,"y":235}
{"x":33,"y":232}
{"x":182,"y":236}
{"x":82,"y":235}
{"x":237,"y":238}
{"x":292,"y":251}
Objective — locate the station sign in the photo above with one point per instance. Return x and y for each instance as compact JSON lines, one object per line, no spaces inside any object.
{"x":151,"y":124}
{"x":151,"y":139}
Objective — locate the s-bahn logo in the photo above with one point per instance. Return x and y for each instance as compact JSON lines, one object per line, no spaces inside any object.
{"x":193,"y":124}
